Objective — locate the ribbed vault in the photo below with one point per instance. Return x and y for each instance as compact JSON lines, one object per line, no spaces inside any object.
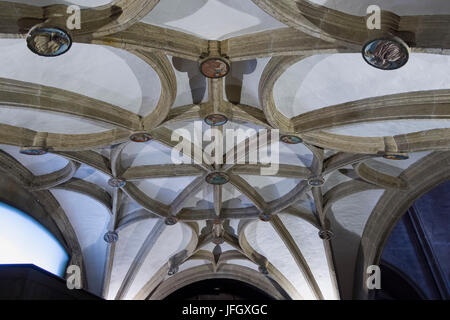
{"x":132,"y":81}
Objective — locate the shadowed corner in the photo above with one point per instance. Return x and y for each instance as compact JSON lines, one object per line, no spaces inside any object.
{"x":197,"y":81}
{"x":233,"y":82}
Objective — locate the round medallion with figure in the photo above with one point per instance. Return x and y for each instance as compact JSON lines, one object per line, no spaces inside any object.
{"x":111,"y":237}
{"x":33,"y":151}
{"x":265,"y":217}
{"x":140,"y":137}
{"x":326,"y":234}
{"x":48,"y":42}
{"x":216,"y":120}
{"x":316,"y":181}
{"x":217,"y":178}
{"x":117,"y":183}
{"x":214,"y":68}
{"x":396,"y":156}
{"x":291,"y":139}
{"x":171,"y":220}
{"x":386,"y":54}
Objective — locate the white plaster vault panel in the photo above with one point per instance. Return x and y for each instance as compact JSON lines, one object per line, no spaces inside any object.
{"x":353,"y":211}
{"x":389,"y":128}
{"x":233,"y":198}
{"x":264,"y":239}
{"x":150,"y":153}
{"x":212,"y":19}
{"x":173,"y":240}
{"x":43,"y":164}
{"x":89,"y":219}
{"x":192,"y":86}
{"x":164,"y":190}
{"x":399,"y":7}
{"x":330,"y":79}
{"x":295,"y":154}
{"x":81,"y":3}
{"x":312,"y":247}
{"x":271,"y":188}
{"x":42,"y":121}
{"x":244,"y":263}
{"x":333,"y":179}
{"x":224,"y":247}
{"x":104,"y":73}
{"x":305,"y":204}
{"x":245,"y":76}
{"x":192,"y":264}
{"x":130,"y":241}
{"x":203,"y":199}
{"x":393,"y":167}
{"x":89,"y":174}
{"x":405,"y":164}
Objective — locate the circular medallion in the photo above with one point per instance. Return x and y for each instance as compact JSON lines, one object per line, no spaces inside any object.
{"x":111,"y":237}
{"x":117,"y":183}
{"x":291,"y":139}
{"x":396,"y":156}
{"x":172,"y":271}
{"x":316,"y":182}
{"x":171,"y":220}
{"x":140,"y":137}
{"x":33,"y":151}
{"x":386,"y":54}
{"x":48,"y":42}
{"x":216,"y":120}
{"x":217,"y":178}
{"x":326,"y":234}
{"x":263,"y":270}
{"x":265,"y":217}
{"x":214,"y":68}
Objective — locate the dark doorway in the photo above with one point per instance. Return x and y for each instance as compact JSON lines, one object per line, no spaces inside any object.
{"x":219,"y":289}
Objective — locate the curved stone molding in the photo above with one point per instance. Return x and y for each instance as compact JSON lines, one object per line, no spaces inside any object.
{"x":139,"y":259}
{"x":161,"y":171}
{"x":88,"y":189}
{"x":177,"y":204}
{"x":163,"y":135}
{"x":9,"y":166}
{"x":90,"y":158}
{"x":380,"y":179}
{"x":312,"y":30}
{"x":422,"y":176}
{"x":342,"y":159}
{"x":146,"y":202}
{"x":246,"y":189}
{"x":145,"y":37}
{"x":226,"y":271}
{"x":351,"y":31}
{"x":341,"y":191}
{"x":241,"y":244}
{"x":103,"y":20}
{"x":288,"y":199}
{"x":19,"y":94}
{"x":437,"y":139}
{"x":273,"y":43}
{"x":188,"y":214}
{"x":161,"y":64}
{"x":434,"y":104}
{"x":284,"y":234}
{"x":54,"y":179}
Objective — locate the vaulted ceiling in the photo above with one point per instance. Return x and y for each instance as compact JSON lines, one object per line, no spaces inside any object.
{"x":142,"y":226}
